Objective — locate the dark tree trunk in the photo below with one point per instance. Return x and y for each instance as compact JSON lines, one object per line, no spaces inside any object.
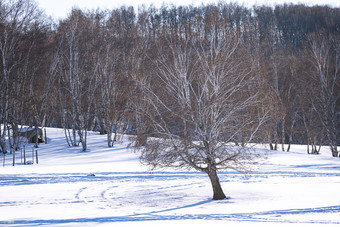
{"x":36,"y":137}
{"x":45,"y":134}
{"x":289,"y":144}
{"x":142,"y":138}
{"x":335,"y":152}
{"x":215,"y":182}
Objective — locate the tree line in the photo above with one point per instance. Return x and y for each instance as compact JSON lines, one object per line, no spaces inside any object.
{"x":209,"y":73}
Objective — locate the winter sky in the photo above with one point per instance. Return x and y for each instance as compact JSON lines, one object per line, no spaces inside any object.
{"x":61,"y":8}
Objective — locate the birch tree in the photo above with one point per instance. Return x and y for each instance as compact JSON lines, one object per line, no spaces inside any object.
{"x":324,"y":52}
{"x":118,"y":38}
{"x":16,"y":21}
{"x":77,"y":75}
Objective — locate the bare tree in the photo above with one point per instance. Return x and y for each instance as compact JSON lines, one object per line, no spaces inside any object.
{"x":79,"y":62}
{"x":324,"y":52}
{"x":17,"y":18}
{"x":105,"y":108}
{"x":201,"y":99}
{"x":116,"y":62}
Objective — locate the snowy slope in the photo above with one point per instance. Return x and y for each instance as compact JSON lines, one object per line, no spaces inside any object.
{"x":293,"y":189}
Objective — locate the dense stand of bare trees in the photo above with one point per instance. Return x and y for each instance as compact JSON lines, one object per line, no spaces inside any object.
{"x":194,"y":84}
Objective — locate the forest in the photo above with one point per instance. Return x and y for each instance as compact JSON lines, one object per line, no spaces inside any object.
{"x":210,"y":73}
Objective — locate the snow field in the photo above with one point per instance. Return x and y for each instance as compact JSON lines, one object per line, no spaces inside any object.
{"x":293,"y":189}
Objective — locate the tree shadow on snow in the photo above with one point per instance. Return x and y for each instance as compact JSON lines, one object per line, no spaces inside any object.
{"x":266,"y":216}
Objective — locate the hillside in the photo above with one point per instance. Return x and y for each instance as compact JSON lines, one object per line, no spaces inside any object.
{"x":105,"y":186}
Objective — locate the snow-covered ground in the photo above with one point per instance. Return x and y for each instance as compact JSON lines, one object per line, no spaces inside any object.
{"x":289,"y":189}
